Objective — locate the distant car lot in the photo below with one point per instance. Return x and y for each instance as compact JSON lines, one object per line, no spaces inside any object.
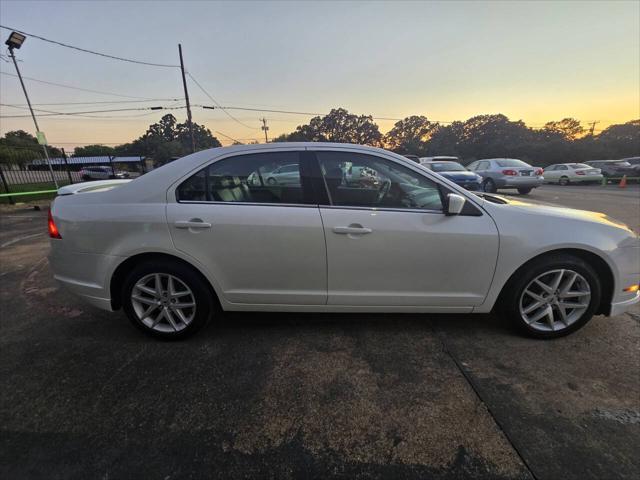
{"x":291,"y":395}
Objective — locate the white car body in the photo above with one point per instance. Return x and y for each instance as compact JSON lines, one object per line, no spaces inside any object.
{"x":566,"y":173}
{"x":301,"y":257}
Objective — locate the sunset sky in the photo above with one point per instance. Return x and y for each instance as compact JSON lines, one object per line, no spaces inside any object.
{"x":534,"y":61}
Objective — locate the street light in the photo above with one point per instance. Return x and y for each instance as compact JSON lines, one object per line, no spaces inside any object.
{"x":14,"y":41}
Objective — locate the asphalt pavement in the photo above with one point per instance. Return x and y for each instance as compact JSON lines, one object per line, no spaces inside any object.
{"x":85,"y":395}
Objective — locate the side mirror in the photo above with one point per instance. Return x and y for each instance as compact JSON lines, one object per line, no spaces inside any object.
{"x":455,"y":203}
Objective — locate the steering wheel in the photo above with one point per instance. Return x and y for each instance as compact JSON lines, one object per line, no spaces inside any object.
{"x":384,"y":189}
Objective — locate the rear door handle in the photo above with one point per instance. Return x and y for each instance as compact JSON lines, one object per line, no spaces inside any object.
{"x":193,"y":223}
{"x":353,"y":229}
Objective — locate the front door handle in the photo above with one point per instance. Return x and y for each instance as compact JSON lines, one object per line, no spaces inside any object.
{"x":193,"y":223}
{"x":353,"y":229}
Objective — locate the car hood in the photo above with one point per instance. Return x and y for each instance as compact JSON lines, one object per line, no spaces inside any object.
{"x":559,"y":212}
{"x":459,"y":175}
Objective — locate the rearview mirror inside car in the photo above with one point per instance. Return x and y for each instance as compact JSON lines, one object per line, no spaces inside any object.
{"x":455,"y":203}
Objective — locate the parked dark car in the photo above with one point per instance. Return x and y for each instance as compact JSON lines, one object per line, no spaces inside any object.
{"x":635,"y":164}
{"x":613,"y":168}
{"x":456,"y":173}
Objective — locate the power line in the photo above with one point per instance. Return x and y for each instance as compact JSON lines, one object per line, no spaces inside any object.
{"x":50,"y":113}
{"x":113,"y":57}
{"x":74,"y":87}
{"x":98,"y":103}
{"x":294,"y":112}
{"x":227,"y":136}
{"x":216,"y":102}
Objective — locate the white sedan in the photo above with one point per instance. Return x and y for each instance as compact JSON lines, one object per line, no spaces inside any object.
{"x":566,"y":173}
{"x":193,"y":238}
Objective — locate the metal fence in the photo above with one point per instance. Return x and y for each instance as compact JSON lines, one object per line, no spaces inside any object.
{"x":25,"y":170}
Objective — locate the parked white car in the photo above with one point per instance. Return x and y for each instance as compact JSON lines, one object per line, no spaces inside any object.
{"x":101,"y":173}
{"x":187,"y":240}
{"x":566,"y":173}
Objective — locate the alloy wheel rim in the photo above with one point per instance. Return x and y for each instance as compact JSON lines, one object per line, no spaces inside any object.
{"x":163,"y":303}
{"x":555,"y":300}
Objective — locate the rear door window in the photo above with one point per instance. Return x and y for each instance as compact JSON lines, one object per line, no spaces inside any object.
{"x":271,"y":178}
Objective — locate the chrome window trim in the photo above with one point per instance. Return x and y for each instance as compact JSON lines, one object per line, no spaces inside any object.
{"x":375,"y":209}
{"x":254,"y":204}
{"x":313,"y":205}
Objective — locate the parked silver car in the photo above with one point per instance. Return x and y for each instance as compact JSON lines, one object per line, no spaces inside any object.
{"x":507,"y":173}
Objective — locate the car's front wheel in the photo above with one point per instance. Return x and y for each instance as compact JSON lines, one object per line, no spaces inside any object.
{"x":524,"y":191}
{"x":563,"y":181}
{"x":553,"y":296}
{"x":167,"y":299}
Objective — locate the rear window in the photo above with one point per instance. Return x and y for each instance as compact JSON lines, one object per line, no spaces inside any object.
{"x":447,"y":167}
{"x":512,"y":162}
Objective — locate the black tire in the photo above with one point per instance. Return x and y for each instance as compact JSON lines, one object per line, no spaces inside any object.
{"x":206,"y":303}
{"x":86,"y":178}
{"x":510,"y":301}
{"x":271,"y":181}
{"x":563,"y":181}
{"x":489,"y":186}
{"x":524,"y":191}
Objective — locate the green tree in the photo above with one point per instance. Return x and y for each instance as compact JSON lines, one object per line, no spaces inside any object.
{"x":93,"y":151}
{"x":410,"y":135}
{"x":567,"y":128}
{"x":19,"y":146}
{"x":338,"y":126}
{"x":620,"y":140}
{"x":168,"y":139}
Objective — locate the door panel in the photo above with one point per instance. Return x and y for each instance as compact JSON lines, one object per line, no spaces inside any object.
{"x":262,"y":241}
{"x":408,"y":258}
{"x":259,"y":254}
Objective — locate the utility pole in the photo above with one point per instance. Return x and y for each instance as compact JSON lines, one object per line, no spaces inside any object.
{"x":15,"y":41}
{"x":186,"y":97}
{"x":265,"y":129}
{"x":593,"y":127}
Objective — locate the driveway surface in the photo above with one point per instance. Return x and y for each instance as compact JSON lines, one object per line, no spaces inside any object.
{"x":85,"y":395}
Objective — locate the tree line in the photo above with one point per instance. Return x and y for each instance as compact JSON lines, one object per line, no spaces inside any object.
{"x":482,"y":136}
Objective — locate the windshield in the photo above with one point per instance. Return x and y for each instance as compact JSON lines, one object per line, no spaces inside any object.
{"x":512,"y":162}
{"x":447,"y":167}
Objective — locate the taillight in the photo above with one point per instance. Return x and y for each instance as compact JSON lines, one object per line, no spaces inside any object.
{"x":580,"y":172}
{"x":540,"y":171}
{"x":53,"y":230}
{"x":511,"y":173}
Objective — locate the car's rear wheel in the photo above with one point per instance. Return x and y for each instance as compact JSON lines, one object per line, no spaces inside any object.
{"x":553,"y":296}
{"x":167,"y":299}
{"x":524,"y":191}
{"x":563,"y":181}
{"x":489,"y":186}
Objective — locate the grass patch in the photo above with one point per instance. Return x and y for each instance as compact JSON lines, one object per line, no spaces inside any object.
{"x":31,"y":187}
